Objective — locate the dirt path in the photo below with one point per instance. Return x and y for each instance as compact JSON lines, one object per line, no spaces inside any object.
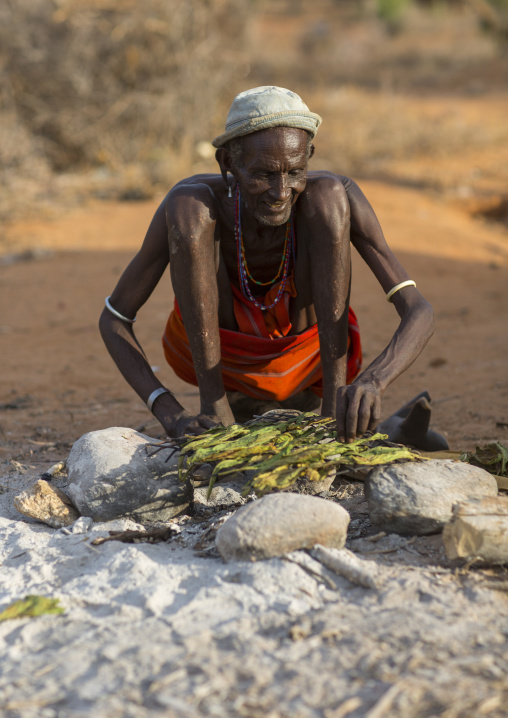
{"x":58,"y":381}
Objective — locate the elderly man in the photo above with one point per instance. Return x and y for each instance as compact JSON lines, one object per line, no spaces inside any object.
{"x":260,"y":264}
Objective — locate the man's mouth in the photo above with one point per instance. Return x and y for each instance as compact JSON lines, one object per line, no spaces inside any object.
{"x":276,"y":205}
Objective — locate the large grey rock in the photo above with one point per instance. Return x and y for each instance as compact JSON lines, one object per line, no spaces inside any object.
{"x":111,"y":474}
{"x":280,"y":523}
{"x":417,"y":498}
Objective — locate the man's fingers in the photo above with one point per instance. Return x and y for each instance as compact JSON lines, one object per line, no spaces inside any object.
{"x":195,"y":425}
{"x":187,"y":426}
{"x":342,"y":406}
{"x":375,"y":414}
{"x":352,"y":416}
{"x":364,"y":414}
{"x":358,"y":410}
{"x":207,"y":422}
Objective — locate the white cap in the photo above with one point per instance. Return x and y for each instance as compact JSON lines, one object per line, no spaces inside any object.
{"x":265,"y":107}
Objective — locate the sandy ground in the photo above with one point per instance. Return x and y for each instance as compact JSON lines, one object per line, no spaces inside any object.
{"x":169,"y":629}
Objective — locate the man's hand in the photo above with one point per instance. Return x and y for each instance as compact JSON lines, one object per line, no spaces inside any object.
{"x":177,"y":421}
{"x":187,"y":424}
{"x":358,"y":410}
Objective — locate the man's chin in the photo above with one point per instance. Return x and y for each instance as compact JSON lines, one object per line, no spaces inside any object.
{"x":273,"y":220}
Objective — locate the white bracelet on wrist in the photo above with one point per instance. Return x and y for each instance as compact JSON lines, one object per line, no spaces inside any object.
{"x":154,"y":395}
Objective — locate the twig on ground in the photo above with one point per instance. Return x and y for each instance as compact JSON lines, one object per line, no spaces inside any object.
{"x":153,"y":536}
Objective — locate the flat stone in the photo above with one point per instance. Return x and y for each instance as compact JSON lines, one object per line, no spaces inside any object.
{"x":47,"y":504}
{"x":280,"y":523}
{"x":417,"y":498}
{"x":313,"y":488}
{"x":111,"y":474}
{"x":224,"y":495}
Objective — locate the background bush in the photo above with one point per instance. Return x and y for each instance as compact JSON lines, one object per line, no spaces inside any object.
{"x":111,"y":82}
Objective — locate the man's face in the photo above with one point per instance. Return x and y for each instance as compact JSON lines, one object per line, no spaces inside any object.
{"x":272,"y":173}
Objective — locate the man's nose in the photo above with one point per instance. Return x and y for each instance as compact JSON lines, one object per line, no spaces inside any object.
{"x":279,"y":189}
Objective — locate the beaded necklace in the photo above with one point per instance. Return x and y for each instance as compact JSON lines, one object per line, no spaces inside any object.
{"x":243,"y":272}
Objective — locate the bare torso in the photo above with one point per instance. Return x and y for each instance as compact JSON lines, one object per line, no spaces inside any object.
{"x":263,"y":249}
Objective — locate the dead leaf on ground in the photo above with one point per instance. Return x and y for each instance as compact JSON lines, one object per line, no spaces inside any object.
{"x":31,"y":606}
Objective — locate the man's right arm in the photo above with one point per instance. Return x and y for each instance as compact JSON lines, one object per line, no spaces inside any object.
{"x":132,"y":291}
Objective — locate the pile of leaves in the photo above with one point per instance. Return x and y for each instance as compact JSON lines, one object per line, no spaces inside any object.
{"x":277,"y":454}
{"x":491,"y":457}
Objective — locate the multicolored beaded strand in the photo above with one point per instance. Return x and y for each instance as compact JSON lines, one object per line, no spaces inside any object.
{"x":243,"y":272}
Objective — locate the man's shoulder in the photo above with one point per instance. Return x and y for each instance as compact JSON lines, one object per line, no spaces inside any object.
{"x":204,"y":189}
{"x":200,"y":182}
{"x":326,"y":186}
{"x":194,"y":197}
{"x":324,"y":178}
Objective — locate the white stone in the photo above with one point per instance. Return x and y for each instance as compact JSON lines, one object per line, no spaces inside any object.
{"x":416,"y":498}
{"x":111,"y":474}
{"x":82,"y":525}
{"x":281,"y":523}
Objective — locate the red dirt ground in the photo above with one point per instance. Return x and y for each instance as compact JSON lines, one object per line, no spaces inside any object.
{"x":58,"y":381}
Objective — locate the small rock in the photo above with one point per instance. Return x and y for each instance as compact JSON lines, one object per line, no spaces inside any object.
{"x":201,"y":475}
{"x":479,"y":529}
{"x":313,"y":488}
{"x":111,"y":474}
{"x":224,"y":495}
{"x":417,"y":498}
{"x":281,"y":523}
{"x":47,"y":504}
{"x":82,"y":525}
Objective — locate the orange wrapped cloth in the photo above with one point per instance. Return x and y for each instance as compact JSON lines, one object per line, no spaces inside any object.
{"x":260,"y":360}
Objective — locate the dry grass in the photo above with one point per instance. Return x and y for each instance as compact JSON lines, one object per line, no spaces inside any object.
{"x":111,"y":84}
{"x":407,"y":139}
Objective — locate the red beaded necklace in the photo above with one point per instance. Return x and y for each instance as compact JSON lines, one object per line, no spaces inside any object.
{"x":243,"y":272}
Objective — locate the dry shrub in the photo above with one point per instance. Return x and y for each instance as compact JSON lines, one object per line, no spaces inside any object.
{"x":112,"y":83}
{"x":379,"y":134}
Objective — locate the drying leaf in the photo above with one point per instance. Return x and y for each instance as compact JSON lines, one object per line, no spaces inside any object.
{"x":278,"y":454}
{"x":491,"y":457}
{"x":31,"y":606}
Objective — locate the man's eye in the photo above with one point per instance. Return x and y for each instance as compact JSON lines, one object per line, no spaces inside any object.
{"x":295,"y":173}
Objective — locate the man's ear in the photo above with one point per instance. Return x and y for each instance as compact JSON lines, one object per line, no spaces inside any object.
{"x":311,"y":150}
{"x":224,"y":159}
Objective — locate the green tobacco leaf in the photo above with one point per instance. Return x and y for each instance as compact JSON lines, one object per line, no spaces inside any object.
{"x":280,"y":453}
{"x":31,"y":606}
{"x":214,"y":436}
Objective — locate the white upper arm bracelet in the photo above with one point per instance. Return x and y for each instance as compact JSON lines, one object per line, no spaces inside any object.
{"x":393,"y":290}
{"x":117,"y":314}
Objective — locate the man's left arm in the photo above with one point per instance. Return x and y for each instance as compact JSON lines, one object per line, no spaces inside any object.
{"x":359,"y":404}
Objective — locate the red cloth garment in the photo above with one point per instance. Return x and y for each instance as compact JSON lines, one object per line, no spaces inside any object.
{"x":271,"y":323}
{"x":261,"y":360}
